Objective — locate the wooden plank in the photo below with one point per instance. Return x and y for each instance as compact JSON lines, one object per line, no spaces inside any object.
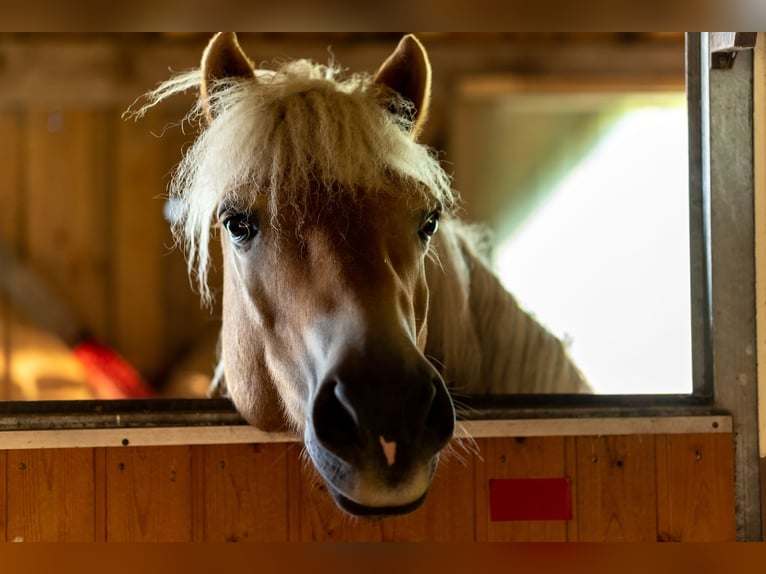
{"x":186,"y":321}
{"x":3,"y":495}
{"x":522,"y":457}
{"x":725,"y":45}
{"x":234,"y":434}
{"x":616,"y":491}
{"x":50,"y":496}
{"x":148,"y":494}
{"x":103,"y":70}
{"x":447,"y":515}
{"x":244,"y":493}
{"x":140,"y":244}
{"x":148,"y":435}
{"x":481,"y":491}
{"x":759,"y":209}
{"x":11,"y":195}
{"x":570,"y":469}
{"x":763,"y":489}
{"x":11,"y":129}
{"x":99,"y":477}
{"x":695,"y":488}
{"x":67,"y":222}
{"x":595,"y":425}
{"x":314,"y":517}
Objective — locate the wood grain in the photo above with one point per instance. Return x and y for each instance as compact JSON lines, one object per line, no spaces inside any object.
{"x":3,"y":495}
{"x":570,"y":466}
{"x":762,"y":463}
{"x":243,"y":493}
{"x":67,"y":217}
{"x":759,"y":214}
{"x":99,"y":502}
{"x":148,"y":494}
{"x":140,"y":247}
{"x":695,"y":490}
{"x":11,"y":122}
{"x":623,"y":488}
{"x":50,"y":495}
{"x":616,"y":491}
{"x":10,"y":203}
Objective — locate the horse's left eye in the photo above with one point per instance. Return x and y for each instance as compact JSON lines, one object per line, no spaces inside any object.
{"x":241,"y":228}
{"x":429,"y":226}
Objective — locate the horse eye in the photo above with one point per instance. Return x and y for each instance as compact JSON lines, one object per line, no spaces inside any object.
{"x":241,"y":228}
{"x":429,"y":226}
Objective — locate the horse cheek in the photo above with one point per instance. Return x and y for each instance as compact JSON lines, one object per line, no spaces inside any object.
{"x":420,"y":305}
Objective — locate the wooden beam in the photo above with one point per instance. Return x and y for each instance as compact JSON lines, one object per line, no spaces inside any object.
{"x":725,"y":45}
{"x":166,"y":436}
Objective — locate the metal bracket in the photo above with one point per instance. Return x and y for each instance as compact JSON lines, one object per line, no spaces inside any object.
{"x":724,"y":47}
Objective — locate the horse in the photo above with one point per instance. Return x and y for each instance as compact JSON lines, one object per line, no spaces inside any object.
{"x":355,"y":303}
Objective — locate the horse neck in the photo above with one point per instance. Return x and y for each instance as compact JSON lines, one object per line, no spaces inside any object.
{"x":479,"y":336}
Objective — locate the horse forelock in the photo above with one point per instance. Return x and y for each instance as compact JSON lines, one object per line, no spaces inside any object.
{"x":286,"y":133}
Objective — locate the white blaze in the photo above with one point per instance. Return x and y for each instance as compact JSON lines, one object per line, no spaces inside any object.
{"x":389,"y":450}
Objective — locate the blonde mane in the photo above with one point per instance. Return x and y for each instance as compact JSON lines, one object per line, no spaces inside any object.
{"x":285,"y":132}
{"x":482,"y":340}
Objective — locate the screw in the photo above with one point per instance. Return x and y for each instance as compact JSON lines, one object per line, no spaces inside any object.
{"x":125,"y":442}
{"x":23,"y":466}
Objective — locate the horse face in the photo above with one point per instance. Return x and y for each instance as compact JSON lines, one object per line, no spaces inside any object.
{"x":325,"y":297}
{"x":331,"y":317}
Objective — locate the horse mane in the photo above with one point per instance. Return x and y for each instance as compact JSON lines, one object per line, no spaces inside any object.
{"x":303,"y":127}
{"x":479,"y":336}
{"x":284,"y":132}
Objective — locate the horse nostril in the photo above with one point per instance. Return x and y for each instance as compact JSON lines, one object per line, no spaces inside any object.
{"x":334,"y":419}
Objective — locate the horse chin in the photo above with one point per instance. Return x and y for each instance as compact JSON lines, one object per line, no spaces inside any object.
{"x":361,"y":493}
{"x":355,"y":509}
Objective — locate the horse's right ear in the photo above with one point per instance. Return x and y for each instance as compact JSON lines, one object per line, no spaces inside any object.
{"x":223,"y":58}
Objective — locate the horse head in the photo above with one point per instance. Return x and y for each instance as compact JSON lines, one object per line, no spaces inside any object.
{"x":325,"y":297}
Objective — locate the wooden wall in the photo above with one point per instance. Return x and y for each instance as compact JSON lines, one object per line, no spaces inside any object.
{"x":623,"y":488}
{"x":80,"y":189}
{"x":81,"y":205}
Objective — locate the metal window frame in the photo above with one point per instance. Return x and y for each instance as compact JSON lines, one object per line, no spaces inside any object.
{"x":727,"y":193}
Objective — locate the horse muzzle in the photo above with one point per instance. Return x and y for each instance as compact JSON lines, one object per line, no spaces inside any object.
{"x":375,"y":434}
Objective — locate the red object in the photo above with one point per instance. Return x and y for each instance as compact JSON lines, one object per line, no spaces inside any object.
{"x":529,"y":499}
{"x":108,"y":374}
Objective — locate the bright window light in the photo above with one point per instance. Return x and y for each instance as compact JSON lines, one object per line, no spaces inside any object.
{"x":604,"y":263}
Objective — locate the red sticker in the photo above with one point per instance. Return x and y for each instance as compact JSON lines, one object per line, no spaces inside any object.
{"x":529,"y":499}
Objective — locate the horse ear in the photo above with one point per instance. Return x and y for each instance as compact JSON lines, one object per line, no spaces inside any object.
{"x":223,"y":58}
{"x":407,"y":71}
